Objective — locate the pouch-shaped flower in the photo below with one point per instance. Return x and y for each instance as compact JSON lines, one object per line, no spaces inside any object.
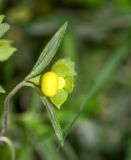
{"x":59,"y":82}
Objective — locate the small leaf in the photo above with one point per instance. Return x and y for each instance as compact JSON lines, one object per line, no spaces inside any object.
{"x":69,"y":84}
{"x":6,"y":50}
{"x":53,"y":118}
{"x":48,"y":52}
{"x":2,"y":89}
{"x":64,"y":67}
{"x":4,"y":27}
{"x":59,"y":98}
{"x":1,"y":18}
{"x":35,"y":80}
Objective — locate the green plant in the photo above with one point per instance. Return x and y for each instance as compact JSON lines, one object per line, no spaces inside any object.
{"x":32,"y":79}
{"x":6,"y":50}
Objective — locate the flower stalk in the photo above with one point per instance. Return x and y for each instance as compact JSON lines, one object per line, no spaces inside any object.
{"x":6,"y":106}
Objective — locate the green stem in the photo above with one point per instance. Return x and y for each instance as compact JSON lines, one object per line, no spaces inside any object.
{"x":6,"y":106}
{"x":6,"y":140}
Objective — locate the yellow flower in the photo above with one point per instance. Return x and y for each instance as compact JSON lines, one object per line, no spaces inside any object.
{"x":59,"y":82}
{"x":51,"y":83}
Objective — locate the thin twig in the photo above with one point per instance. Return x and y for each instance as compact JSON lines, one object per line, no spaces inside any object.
{"x":6,"y":106}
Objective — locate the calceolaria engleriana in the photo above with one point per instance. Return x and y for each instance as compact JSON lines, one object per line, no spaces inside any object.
{"x":52,"y":87}
{"x":59,"y":82}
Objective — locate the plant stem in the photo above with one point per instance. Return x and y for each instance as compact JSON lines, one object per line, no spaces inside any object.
{"x":7,"y":141}
{"x":6,"y":106}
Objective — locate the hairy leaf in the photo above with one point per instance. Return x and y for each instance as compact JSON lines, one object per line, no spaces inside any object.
{"x":48,"y":52}
{"x":2,"y":89}
{"x":1,"y":18}
{"x":6,"y":50}
{"x":59,"y":98}
{"x":4,"y":27}
{"x":64,"y":67}
{"x":52,"y":115}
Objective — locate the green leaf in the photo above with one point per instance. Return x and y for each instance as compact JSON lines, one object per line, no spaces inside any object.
{"x":1,"y":18}
{"x":48,"y":52}
{"x":52,"y":115}
{"x":64,"y":67}
{"x":6,"y":50}
{"x":69,"y":84}
{"x":36,"y":80}
{"x":4,"y":27}
{"x":59,"y":98}
{"x":2,"y":89}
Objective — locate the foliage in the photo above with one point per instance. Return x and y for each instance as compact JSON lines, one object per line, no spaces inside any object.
{"x":2,"y":89}
{"x":6,"y":50}
{"x":44,"y":59}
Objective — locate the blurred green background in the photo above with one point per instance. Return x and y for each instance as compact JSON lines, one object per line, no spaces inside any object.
{"x":96,"y":30}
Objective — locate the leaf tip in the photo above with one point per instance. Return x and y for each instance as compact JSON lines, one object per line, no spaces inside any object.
{"x":58,"y":106}
{"x":62,"y":144}
{"x":2,"y":90}
{"x":65,"y":25}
